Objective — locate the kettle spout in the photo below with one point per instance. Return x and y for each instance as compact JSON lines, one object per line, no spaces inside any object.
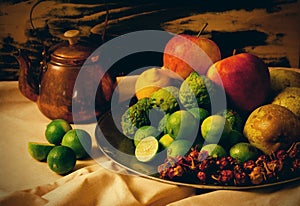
{"x":26,"y":80}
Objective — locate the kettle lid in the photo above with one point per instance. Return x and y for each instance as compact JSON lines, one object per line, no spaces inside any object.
{"x":71,"y":53}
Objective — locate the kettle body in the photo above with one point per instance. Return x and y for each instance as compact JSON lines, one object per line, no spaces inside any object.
{"x":59,"y":72}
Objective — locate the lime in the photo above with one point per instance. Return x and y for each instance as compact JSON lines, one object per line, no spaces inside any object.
{"x":182,"y":124}
{"x":215,"y":129}
{"x":39,"y":151}
{"x":199,"y":113}
{"x":61,"y":159}
{"x":179,"y":147}
{"x":214,"y":150}
{"x":166,"y":140}
{"x":78,"y":140}
{"x":233,"y":138}
{"x":56,"y":129}
{"x":145,"y":131}
{"x":243,"y":151}
{"x":126,"y":146}
{"x":146,"y":150}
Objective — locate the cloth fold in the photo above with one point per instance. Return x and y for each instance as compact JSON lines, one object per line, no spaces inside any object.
{"x":95,"y":185}
{"x":281,"y":195}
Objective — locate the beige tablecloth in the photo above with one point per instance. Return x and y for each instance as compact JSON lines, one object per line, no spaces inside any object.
{"x":25,"y":181}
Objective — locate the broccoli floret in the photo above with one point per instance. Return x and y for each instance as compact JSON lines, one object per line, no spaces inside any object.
{"x":234,"y":118}
{"x":195,"y":91}
{"x":136,"y":116}
{"x":166,"y":99}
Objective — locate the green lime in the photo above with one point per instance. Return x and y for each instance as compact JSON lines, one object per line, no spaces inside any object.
{"x":145,"y":131}
{"x":179,"y":147}
{"x":215,"y":129}
{"x":78,"y":140}
{"x":126,"y":146}
{"x":39,"y":151}
{"x":199,"y":113}
{"x":166,"y":140}
{"x":61,"y":159}
{"x":243,"y":151}
{"x":182,"y":124}
{"x":55,"y":130}
{"x":146,"y":150}
{"x":214,"y":150}
{"x":233,"y":138}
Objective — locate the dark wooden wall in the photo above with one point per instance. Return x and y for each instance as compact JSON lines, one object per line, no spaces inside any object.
{"x":269,"y":28}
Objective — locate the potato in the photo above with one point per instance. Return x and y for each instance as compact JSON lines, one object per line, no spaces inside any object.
{"x":272,"y":127}
{"x":283,"y":78}
{"x":289,"y":98}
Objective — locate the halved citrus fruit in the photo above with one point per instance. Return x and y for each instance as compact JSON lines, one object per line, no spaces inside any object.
{"x":147,"y":148}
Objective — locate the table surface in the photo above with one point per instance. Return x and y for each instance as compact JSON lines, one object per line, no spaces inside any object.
{"x":22,"y":122}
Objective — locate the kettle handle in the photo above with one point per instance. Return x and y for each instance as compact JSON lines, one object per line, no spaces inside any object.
{"x":31,"y":12}
{"x":28,"y":84}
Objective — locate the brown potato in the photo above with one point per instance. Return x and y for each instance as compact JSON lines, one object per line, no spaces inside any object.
{"x":272,"y":127}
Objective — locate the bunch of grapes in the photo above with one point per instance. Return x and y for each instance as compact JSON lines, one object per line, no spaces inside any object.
{"x":198,"y":168}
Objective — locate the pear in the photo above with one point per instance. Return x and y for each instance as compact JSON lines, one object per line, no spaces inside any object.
{"x":283,"y":78}
{"x":272,"y":127}
{"x":289,"y":98}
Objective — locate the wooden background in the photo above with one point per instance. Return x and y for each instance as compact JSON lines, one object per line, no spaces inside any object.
{"x":267,"y":28}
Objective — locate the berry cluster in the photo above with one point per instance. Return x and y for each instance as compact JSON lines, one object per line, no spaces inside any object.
{"x":198,"y":168}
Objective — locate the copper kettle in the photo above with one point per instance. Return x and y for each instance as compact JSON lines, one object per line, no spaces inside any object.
{"x":58,"y":72}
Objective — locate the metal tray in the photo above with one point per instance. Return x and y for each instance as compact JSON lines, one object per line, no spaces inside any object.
{"x":110,"y":138}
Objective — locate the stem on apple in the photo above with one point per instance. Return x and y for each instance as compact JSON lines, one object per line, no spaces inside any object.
{"x":234,"y":52}
{"x":203,"y":28}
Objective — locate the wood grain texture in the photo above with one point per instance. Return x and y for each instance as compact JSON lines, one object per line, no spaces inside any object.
{"x":269,"y":29}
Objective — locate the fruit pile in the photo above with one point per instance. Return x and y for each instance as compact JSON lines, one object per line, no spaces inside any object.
{"x":198,"y":167}
{"x":65,"y":145}
{"x":221,"y":121}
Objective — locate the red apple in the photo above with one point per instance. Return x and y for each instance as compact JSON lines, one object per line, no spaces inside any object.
{"x":245,"y":79}
{"x":186,"y":53}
